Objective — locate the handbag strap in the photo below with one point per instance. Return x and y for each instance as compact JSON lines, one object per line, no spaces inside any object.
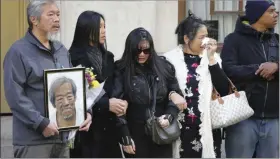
{"x":155,"y":94}
{"x":232,"y":89}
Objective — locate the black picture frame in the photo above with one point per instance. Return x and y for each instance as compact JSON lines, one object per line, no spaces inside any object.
{"x":77,"y":75}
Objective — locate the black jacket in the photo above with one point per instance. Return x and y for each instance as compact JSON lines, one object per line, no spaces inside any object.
{"x":102,"y":118}
{"x":140,"y":97}
{"x":243,"y":51}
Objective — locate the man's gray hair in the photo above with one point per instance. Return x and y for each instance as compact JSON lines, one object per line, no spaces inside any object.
{"x":57,"y":83}
{"x":35,"y":9}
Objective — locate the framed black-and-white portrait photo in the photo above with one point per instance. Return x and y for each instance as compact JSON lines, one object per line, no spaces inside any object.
{"x":65,"y":98}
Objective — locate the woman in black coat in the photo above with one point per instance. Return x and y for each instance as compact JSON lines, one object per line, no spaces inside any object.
{"x":89,"y":50}
{"x":138,"y":72}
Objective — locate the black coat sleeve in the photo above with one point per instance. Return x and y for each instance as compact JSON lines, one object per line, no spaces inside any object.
{"x":118,"y":92}
{"x":118,"y":86}
{"x":172,"y":85}
{"x":276,"y":74}
{"x":102,"y":106}
{"x":172,"y":109}
{"x":172,"y":82}
{"x":234,"y":70}
{"x":219,"y":79}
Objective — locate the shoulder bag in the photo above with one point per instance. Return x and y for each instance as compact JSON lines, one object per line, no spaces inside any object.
{"x":158,"y":134}
{"x":230,"y":109}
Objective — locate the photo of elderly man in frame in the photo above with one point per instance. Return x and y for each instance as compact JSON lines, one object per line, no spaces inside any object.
{"x":66,"y":104}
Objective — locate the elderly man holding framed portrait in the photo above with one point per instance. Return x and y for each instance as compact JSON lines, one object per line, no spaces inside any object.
{"x":33,"y":133}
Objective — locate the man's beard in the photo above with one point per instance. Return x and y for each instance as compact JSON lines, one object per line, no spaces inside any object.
{"x":52,"y":36}
{"x":68,"y":116}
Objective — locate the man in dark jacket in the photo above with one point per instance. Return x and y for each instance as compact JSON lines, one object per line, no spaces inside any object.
{"x":34,"y":136}
{"x":251,"y":60}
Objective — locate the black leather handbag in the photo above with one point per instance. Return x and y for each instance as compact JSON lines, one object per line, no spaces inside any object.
{"x":158,"y":134}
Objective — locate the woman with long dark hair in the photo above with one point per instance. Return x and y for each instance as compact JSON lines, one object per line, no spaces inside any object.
{"x":89,"y":50}
{"x":137,"y":73}
{"x":197,"y":70}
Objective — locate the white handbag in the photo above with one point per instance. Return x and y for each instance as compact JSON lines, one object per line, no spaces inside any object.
{"x":230,"y":109}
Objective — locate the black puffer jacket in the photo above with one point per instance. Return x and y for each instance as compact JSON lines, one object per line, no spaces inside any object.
{"x":141,"y":97}
{"x":243,"y":51}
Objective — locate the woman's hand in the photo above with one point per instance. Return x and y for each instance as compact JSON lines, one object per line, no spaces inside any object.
{"x":86,"y":124}
{"x":118,"y":106}
{"x":125,"y":104}
{"x":130,"y":149}
{"x":163,"y":121}
{"x":179,"y":101}
{"x":211,"y":47}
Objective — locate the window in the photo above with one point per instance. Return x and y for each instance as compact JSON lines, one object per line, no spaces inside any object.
{"x":225,"y":13}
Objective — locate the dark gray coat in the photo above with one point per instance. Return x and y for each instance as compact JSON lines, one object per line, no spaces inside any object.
{"x":24,"y":65}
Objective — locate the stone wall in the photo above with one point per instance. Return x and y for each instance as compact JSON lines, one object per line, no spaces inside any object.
{"x":160,"y":18}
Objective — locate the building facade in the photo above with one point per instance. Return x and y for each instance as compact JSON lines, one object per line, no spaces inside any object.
{"x":160,"y":18}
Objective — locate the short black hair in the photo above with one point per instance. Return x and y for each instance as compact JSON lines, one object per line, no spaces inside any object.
{"x":189,"y":26}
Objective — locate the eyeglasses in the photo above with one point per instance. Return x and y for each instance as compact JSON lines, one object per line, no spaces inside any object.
{"x":145,"y":51}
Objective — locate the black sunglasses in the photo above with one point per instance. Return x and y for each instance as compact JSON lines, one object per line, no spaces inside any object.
{"x":145,"y":51}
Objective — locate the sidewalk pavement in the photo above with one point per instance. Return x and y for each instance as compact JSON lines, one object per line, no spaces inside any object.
{"x":6,"y":137}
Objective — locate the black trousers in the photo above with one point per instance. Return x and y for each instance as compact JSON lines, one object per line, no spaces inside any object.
{"x":145,"y":147}
{"x":102,"y":145}
{"x":191,"y":145}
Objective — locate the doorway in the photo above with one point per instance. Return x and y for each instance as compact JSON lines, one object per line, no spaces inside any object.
{"x":13,"y":27}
